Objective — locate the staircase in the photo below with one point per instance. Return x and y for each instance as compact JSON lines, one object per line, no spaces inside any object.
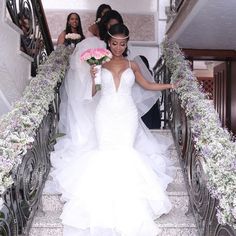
{"x":179,"y":222}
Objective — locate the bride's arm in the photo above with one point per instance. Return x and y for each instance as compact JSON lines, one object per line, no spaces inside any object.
{"x":147,"y":84}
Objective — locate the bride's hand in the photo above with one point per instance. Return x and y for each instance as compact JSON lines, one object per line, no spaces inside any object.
{"x":93,"y":71}
{"x":175,"y":85}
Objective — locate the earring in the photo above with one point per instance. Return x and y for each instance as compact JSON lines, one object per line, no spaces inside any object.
{"x":109,"y":45}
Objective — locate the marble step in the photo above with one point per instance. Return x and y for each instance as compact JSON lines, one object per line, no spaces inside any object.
{"x":58,"y":231}
{"x":171,"y":151}
{"x":183,"y":231}
{"x":176,"y":192}
{"x":172,"y":155}
{"x":178,"y":176}
{"x":165,"y":132}
{"x":176,"y":223}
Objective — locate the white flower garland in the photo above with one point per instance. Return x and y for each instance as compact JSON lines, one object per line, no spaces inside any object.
{"x":212,"y":142}
{"x":17,"y":128}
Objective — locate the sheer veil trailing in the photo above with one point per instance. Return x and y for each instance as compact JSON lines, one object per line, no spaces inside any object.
{"x":143,"y":98}
{"x":77,"y":104}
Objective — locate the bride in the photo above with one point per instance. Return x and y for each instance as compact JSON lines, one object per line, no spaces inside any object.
{"x":109,"y":169}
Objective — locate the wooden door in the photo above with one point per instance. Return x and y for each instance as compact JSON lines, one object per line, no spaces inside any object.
{"x":233,"y":97}
{"x":220,"y":92}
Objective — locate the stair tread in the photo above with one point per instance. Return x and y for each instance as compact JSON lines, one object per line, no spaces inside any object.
{"x":172,"y":220}
{"x":52,"y":203}
{"x":164,"y":131}
{"x":172,"y":189}
{"x":173,"y":186}
{"x":171,"y":231}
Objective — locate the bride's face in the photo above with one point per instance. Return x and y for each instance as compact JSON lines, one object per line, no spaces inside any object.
{"x":118,"y":45}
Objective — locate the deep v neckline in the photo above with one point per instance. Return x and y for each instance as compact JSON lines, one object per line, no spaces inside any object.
{"x":120,"y":79}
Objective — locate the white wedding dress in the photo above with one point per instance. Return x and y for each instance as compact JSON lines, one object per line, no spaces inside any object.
{"x":114,"y":181}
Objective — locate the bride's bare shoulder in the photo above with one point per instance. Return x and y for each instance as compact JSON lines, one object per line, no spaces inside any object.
{"x":134,"y":66}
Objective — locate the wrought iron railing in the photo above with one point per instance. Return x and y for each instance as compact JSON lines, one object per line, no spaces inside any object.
{"x":22,"y":199}
{"x":36,"y":41}
{"x":19,"y":202}
{"x":159,"y":75}
{"x":173,"y":9}
{"x":30,"y":137}
{"x":202,"y":204}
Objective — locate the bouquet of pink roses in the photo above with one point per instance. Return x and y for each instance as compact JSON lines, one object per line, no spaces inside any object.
{"x":96,"y":56}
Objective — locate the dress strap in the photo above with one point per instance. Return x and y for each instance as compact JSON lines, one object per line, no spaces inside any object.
{"x":129,"y":64}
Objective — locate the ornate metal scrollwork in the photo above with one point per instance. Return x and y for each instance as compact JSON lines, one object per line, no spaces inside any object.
{"x":22,"y":200}
{"x":214,"y":228}
{"x":8,"y":222}
{"x":179,"y":124}
{"x":36,"y":41}
{"x":199,"y":195}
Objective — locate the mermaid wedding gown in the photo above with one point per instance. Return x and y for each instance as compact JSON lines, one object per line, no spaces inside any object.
{"x":112,"y":189}
{"x":110,"y":170}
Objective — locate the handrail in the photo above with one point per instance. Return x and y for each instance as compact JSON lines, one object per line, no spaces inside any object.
{"x":204,"y":204}
{"x":36,"y":40}
{"x":175,"y":5}
{"x":43,"y":25}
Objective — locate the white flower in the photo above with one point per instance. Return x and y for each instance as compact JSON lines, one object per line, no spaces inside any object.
{"x":98,"y":20}
{"x":1,"y":203}
{"x":73,"y":36}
